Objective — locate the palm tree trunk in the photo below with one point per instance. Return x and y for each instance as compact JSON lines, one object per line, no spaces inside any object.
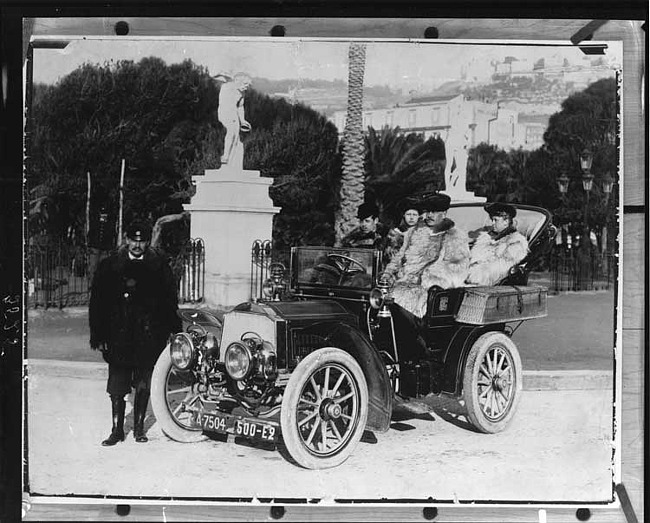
{"x":352,"y":180}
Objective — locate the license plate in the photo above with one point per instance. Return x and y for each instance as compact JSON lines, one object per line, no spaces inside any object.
{"x":246,"y":427}
{"x":214,"y":422}
{"x":255,"y":429}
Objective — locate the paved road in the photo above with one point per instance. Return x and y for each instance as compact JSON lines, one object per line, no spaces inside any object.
{"x":577,"y":334}
{"x":558,"y":448}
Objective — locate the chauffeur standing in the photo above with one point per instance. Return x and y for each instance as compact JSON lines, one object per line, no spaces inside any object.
{"x":132,"y":312}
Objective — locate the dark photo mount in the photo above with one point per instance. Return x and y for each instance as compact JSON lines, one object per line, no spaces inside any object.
{"x":579,"y":32}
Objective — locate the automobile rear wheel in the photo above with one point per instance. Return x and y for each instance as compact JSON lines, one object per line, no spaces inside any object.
{"x":492,"y":382}
{"x":172,"y":391}
{"x":324,"y":409}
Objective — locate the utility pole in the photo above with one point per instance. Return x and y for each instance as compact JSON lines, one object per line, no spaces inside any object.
{"x":119,"y":221}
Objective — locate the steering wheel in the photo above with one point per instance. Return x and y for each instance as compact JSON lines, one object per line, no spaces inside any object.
{"x":345,"y":264}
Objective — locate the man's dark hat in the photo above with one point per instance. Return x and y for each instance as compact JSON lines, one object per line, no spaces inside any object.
{"x":139,"y":230}
{"x":501,"y":209}
{"x":436,"y":202}
{"x":367,"y":209}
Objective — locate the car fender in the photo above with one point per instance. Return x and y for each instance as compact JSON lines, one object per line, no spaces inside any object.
{"x":351,"y":340}
{"x":457,"y":355}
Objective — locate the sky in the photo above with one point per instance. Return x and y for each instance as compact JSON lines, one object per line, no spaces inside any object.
{"x":398,"y":64}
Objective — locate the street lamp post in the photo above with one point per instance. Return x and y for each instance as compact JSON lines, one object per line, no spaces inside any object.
{"x":587,"y":178}
{"x":586,"y":159}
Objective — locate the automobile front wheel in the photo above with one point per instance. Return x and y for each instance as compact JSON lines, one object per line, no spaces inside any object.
{"x":492,"y":382}
{"x":324,"y":409}
{"x":173,"y":394}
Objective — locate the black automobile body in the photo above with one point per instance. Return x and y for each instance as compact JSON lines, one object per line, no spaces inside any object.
{"x":318,"y":360}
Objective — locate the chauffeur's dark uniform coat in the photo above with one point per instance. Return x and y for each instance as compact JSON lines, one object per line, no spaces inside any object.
{"x":133,"y":308}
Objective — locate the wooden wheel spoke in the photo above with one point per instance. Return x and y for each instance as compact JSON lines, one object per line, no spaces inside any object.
{"x":499,"y":368}
{"x":335,"y":431}
{"x":308,"y":418}
{"x":506,"y":399}
{"x":311,"y":434}
{"x":323,"y":433}
{"x":185,"y":390}
{"x":485,"y":371}
{"x":316,"y":388}
{"x":335,"y":389}
{"x":343,"y":398}
{"x":326,"y":382}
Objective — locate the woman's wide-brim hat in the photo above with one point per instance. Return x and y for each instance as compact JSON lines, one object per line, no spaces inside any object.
{"x":501,"y":209}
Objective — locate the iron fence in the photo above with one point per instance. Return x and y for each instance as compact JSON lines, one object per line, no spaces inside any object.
{"x":262,"y":256}
{"x":60,"y":275}
{"x":577,"y":270}
{"x":57,"y":275}
{"x":192,"y":271}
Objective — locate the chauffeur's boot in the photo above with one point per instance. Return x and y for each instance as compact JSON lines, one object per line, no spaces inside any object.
{"x":117,"y":434}
{"x":139,"y":413}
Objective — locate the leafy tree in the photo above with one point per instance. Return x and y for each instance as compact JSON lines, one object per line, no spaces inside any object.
{"x":98,"y":115}
{"x":162,"y":120}
{"x":298,"y":148}
{"x":588,"y":120}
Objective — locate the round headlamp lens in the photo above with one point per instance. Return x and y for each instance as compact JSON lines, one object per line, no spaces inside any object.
{"x":238,"y":360}
{"x":376,"y":298}
{"x":268,"y":288}
{"x":181,"y":351}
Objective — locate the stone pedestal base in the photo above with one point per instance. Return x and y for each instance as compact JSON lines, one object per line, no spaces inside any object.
{"x":463,"y":196}
{"x":230,"y":210}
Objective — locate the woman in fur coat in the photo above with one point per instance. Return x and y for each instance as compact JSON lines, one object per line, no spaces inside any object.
{"x":395,"y":237}
{"x":497,"y":250}
{"x":434,"y":252}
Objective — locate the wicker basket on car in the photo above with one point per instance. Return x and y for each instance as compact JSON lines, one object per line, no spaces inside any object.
{"x":482,"y":305}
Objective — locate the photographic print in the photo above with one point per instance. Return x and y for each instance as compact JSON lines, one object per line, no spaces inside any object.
{"x":322,"y":269}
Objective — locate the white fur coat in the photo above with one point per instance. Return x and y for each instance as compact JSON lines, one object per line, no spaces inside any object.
{"x":428,"y":257}
{"x":491,"y":259}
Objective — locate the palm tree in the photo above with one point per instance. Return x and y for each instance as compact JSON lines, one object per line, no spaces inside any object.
{"x":400,"y":165}
{"x":352,"y":181}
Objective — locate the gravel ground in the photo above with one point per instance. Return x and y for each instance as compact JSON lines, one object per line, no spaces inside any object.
{"x":558,"y":448}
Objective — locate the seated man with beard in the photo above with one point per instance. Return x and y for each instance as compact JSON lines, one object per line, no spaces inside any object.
{"x":434,"y":253}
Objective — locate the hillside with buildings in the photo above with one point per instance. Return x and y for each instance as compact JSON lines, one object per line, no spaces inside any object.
{"x":510,"y":101}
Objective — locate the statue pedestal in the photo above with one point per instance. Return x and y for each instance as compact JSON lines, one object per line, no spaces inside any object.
{"x":230,"y":210}
{"x":458,"y":196}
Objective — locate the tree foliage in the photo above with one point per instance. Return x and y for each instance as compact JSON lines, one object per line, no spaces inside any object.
{"x":150,"y":114}
{"x":398,"y":165}
{"x":162,"y":119}
{"x":299,"y":149}
{"x":588,"y":119}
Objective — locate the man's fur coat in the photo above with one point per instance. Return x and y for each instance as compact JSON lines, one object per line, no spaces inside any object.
{"x":429,"y":256}
{"x":492,"y":256}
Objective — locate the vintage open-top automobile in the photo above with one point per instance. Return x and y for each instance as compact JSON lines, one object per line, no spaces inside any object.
{"x":318,"y":362}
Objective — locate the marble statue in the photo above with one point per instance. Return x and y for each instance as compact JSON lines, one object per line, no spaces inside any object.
{"x":231,"y":115}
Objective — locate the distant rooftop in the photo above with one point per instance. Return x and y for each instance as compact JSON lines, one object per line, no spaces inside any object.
{"x":432,"y":99}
